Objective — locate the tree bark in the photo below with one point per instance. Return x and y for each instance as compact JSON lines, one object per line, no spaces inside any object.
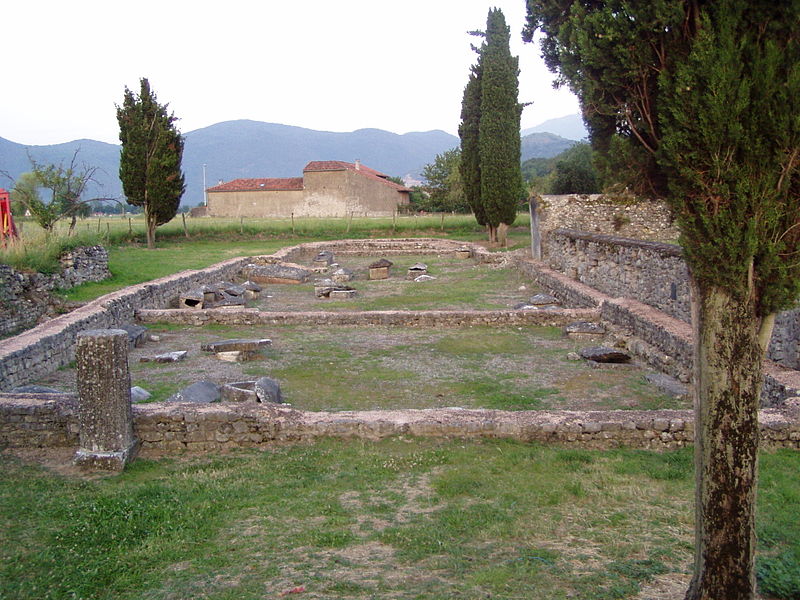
{"x":727,"y":387}
{"x":150,"y":225}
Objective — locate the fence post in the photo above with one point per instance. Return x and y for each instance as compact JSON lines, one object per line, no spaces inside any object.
{"x":105,"y":419}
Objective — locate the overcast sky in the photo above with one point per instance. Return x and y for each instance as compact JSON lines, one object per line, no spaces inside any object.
{"x":398,"y":65}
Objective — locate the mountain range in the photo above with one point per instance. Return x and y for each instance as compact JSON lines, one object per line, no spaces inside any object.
{"x":249,"y":149}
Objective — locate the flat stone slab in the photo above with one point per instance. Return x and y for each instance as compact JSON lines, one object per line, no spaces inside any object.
{"x":277,"y":273}
{"x":604,"y":354}
{"x":166,"y":357}
{"x":264,"y":389}
{"x":424,"y":277}
{"x":342,"y":294}
{"x":585,"y":327}
{"x":234,"y":345}
{"x":201,"y":392}
{"x":137,"y":334}
{"x":543,"y":300}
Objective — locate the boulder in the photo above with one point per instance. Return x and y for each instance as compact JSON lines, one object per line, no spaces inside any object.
{"x":201,"y":392}
{"x":668,"y":385}
{"x":139,"y":394}
{"x":604,"y":354}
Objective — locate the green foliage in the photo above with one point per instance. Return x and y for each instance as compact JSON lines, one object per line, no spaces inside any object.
{"x":150,"y":160}
{"x":443,"y":188}
{"x":25,"y":194}
{"x":498,"y":130}
{"x":574,"y":172}
{"x":695,"y":104}
{"x":470,"y":165}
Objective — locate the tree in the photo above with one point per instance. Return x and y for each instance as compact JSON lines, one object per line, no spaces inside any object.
{"x":66,"y":185}
{"x":574,"y":172}
{"x":443,"y":183}
{"x":150,"y":159}
{"x":470,"y":165}
{"x":490,"y":123}
{"x":704,"y":97}
{"x":498,"y":129}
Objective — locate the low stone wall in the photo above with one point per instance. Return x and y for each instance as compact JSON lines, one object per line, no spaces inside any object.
{"x":48,"y":346}
{"x":405,"y":318}
{"x":596,"y":213}
{"x":43,"y":349}
{"x":25,"y":297}
{"x":662,"y":341}
{"x":652,"y":273}
{"x":183,"y":427}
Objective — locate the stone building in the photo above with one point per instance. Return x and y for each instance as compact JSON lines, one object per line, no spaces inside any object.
{"x":329,"y":188}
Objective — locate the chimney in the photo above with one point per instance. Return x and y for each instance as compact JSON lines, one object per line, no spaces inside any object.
{"x":358,"y":165}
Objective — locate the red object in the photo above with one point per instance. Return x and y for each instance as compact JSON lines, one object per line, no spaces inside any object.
{"x":7,"y":228}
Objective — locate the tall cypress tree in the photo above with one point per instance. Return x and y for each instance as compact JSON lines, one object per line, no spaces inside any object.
{"x":150,"y":159}
{"x":489,"y":130}
{"x":498,"y":131}
{"x":470,"y":165}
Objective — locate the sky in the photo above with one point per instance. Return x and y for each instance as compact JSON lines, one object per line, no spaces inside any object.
{"x":397,"y":65}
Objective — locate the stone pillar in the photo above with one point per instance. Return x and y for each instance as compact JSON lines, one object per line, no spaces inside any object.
{"x":536,"y":235}
{"x":105,"y":417}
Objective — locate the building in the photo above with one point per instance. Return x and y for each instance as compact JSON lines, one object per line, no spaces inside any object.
{"x":328,"y":188}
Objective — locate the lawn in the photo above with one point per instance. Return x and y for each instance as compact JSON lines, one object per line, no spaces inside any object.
{"x":402,"y":518}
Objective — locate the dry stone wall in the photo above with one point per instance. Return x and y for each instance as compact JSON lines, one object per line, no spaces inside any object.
{"x":25,"y":297}
{"x":163,"y":428}
{"x":653,"y":273}
{"x":596,"y":213}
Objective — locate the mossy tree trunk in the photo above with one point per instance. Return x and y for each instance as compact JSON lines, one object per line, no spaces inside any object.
{"x":727,"y":377}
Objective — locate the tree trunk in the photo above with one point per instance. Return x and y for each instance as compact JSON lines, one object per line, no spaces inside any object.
{"x":492,"y":234}
{"x":150,"y":224}
{"x":727,"y":383}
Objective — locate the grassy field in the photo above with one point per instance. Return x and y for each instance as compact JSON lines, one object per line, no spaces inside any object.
{"x":399,"y":519}
{"x":214,"y":239}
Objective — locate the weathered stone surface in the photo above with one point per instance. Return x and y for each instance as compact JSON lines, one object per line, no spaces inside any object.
{"x":268,"y":390}
{"x":192,"y":299}
{"x":34,"y":389}
{"x":585,"y":328}
{"x":137,"y":334}
{"x":323,"y":259}
{"x":238,"y":391}
{"x":104,"y":410}
{"x":342,"y":294}
{"x":424,"y":278}
{"x":201,"y":392}
{"x":603,"y":354}
{"x":464,"y":253}
{"x":139,"y":394}
{"x":668,"y":385}
{"x":342,"y":275}
{"x":242,"y":345}
{"x":416,"y":270}
{"x":381,"y":264}
{"x":543,"y":300}
{"x":279,"y":272}
{"x":166,"y":357}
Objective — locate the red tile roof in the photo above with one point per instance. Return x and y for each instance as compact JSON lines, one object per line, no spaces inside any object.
{"x":251,"y":185}
{"x":361,"y":169}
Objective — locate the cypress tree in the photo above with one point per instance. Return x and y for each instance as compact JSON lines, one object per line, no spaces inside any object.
{"x":150,"y":159}
{"x":470,"y":166}
{"x":498,"y":131}
{"x":704,"y":98}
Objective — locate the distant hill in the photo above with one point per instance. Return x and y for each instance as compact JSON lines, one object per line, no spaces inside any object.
{"x":245,"y":149}
{"x":543,"y":145}
{"x":570,"y":127}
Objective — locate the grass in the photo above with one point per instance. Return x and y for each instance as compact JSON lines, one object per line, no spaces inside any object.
{"x":403,"y":518}
{"x":374,"y":367}
{"x":39,"y":252}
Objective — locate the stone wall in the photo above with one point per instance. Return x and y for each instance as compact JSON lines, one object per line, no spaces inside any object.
{"x":41,"y":350}
{"x":596,"y":213}
{"x":184,"y":427}
{"x":25,"y":297}
{"x":651,"y":272}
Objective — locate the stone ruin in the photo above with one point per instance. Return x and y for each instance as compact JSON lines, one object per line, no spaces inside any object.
{"x":219,"y":295}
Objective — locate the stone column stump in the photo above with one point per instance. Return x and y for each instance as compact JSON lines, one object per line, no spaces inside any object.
{"x":105,"y":418}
